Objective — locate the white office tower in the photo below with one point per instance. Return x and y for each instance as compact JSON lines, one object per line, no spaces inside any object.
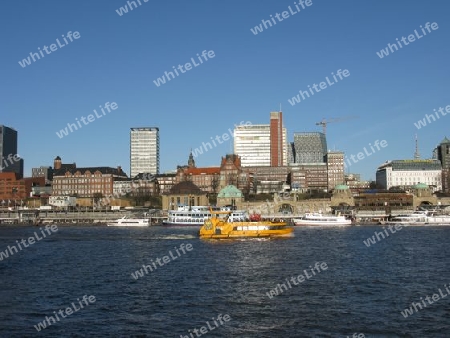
{"x":144,"y":151}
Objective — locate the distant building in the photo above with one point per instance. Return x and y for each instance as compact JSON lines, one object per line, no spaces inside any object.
{"x":310,"y":147}
{"x":42,"y":171}
{"x":166,"y":182}
{"x":278,"y":140}
{"x":262,"y":144}
{"x":252,"y":144}
{"x":442,"y":152}
{"x":12,"y":189}
{"x":144,"y":151}
{"x":184,"y":194}
{"x":10,"y":160}
{"x":335,"y":167}
{"x":68,"y":180}
{"x":407,"y":173}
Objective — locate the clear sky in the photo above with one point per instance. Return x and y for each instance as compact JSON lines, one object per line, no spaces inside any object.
{"x":116,"y":58}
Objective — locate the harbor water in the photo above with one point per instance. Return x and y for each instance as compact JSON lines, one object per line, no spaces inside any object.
{"x":229,"y":288}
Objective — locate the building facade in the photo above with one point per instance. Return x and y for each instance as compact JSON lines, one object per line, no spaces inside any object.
{"x":443,"y":155}
{"x":68,"y":180}
{"x":252,"y":144}
{"x":10,"y":160}
{"x":12,"y":189}
{"x":278,"y":140}
{"x":407,"y":173}
{"x":310,"y":147}
{"x":144,"y":151}
{"x":335,"y":167}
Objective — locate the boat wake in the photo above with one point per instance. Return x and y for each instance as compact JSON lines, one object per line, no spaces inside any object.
{"x":175,"y":236}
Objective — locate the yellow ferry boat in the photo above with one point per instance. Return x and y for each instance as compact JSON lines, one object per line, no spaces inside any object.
{"x":227,"y":224}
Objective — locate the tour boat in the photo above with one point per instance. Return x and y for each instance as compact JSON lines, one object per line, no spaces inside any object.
{"x":229,"y":224}
{"x":128,"y":221}
{"x":420,"y":218}
{"x":196,"y":216}
{"x":322,"y":220}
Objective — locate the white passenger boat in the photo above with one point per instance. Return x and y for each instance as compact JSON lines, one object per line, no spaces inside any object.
{"x":322,"y":220}
{"x":198,"y":215}
{"x":128,"y":221}
{"x":420,"y":218}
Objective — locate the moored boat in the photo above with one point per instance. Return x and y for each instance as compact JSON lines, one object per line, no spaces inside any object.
{"x":127,"y":221}
{"x":420,"y":218}
{"x":223,"y":225}
{"x":322,"y":220}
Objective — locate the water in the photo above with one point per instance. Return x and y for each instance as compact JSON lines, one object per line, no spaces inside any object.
{"x":363,"y":290}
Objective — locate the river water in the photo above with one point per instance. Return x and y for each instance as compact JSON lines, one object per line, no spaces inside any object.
{"x":362,"y":292}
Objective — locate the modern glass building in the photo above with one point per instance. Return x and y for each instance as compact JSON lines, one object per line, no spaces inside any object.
{"x":144,"y":151}
{"x":10,"y":160}
{"x":310,"y":147}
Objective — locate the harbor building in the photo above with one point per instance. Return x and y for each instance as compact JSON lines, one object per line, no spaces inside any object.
{"x":405,"y":174}
{"x":310,"y":147}
{"x":10,"y":160}
{"x":184,"y":194}
{"x":144,"y":151}
{"x":68,"y":180}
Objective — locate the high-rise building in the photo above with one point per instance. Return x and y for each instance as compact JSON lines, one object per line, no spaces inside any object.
{"x":262,"y":144}
{"x":310,"y":147}
{"x":335,"y":167}
{"x":278,"y":140}
{"x":144,"y":151}
{"x":442,"y":152}
{"x":10,"y":160}
{"x":252,"y":144}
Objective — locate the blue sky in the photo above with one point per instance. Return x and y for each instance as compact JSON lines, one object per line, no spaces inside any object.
{"x":117,"y":58}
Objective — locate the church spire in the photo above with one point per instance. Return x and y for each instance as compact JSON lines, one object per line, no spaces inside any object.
{"x":191,"y":161}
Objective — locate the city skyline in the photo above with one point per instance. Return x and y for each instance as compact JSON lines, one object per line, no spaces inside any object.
{"x":83,"y":69}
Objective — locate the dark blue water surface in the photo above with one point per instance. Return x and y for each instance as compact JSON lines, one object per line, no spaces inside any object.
{"x":363,"y":290}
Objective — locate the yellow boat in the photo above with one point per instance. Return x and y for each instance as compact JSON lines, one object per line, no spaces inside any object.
{"x":222,"y":226}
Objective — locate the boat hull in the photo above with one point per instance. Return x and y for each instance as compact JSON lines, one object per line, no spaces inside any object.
{"x":223,"y":230}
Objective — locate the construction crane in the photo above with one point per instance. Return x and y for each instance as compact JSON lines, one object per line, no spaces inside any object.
{"x":324,"y":121}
